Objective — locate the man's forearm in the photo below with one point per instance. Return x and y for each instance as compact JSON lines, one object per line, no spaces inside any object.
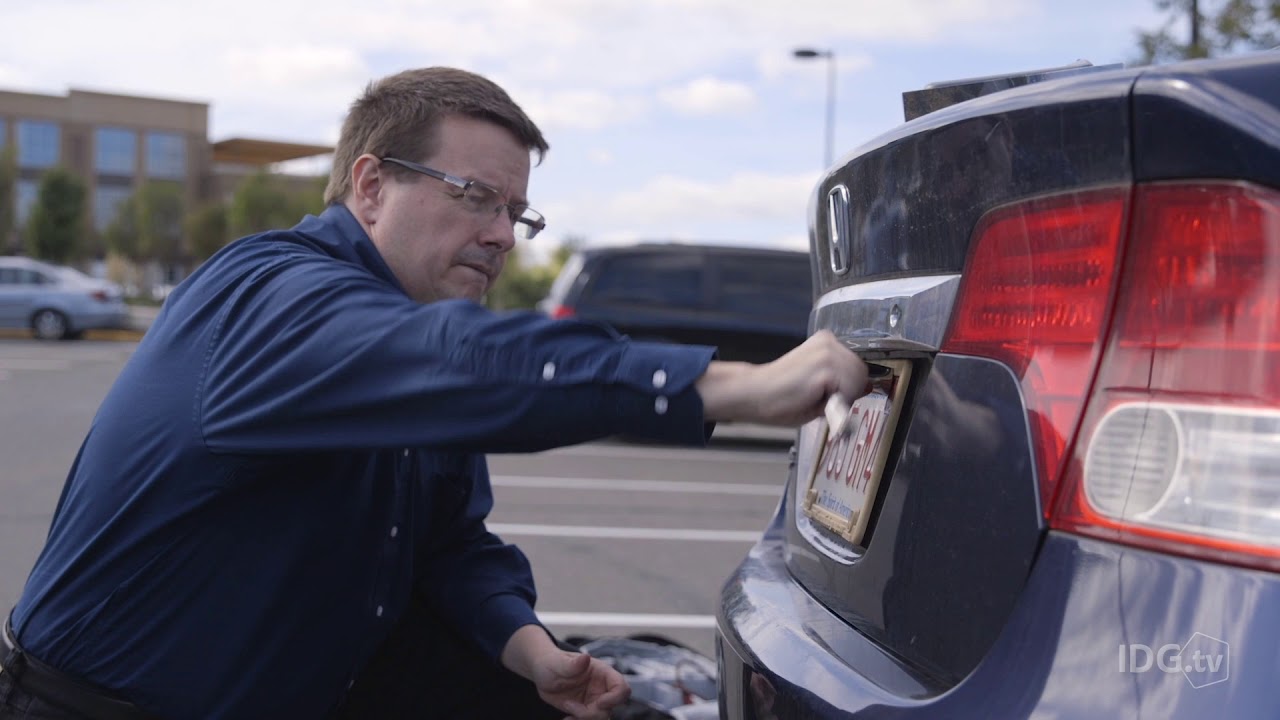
{"x":723,"y":388}
{"x":522,"y":652}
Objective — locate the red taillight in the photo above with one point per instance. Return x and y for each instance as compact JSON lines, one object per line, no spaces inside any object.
{"x":1036,"y":296}
{"x":1178,"y":355}
{"x":100,"y":295}
{"x":560,"y":312}
{"x":1180,"y":448}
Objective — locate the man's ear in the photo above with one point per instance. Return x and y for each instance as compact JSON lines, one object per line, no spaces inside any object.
{"x":367,"y":180}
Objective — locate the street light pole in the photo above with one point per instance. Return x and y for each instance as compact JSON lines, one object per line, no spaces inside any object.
{"x":830,"y":55}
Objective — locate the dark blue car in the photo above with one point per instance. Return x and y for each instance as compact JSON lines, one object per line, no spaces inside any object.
{"x":1061,"y":498}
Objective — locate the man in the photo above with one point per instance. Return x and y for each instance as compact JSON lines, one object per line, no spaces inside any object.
{"x":289,"y":464}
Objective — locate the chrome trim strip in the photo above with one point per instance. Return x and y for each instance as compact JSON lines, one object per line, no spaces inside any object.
{"x":882,"y":289}
{"x":900,"y":312}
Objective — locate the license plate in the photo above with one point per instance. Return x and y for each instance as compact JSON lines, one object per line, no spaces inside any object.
{"x":846,"y":475}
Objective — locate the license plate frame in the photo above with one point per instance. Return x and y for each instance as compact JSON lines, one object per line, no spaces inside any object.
{"x":833,"y":499}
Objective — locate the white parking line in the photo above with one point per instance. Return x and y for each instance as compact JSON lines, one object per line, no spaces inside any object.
{"x":628,"y":619}
{"x":12,"y":363}
{"x":671,"y":486}
{"x":625,"y":533}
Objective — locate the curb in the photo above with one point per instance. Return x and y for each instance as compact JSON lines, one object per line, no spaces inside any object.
{"x":99,"y":335}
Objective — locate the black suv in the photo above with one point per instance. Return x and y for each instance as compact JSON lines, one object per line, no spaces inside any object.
{"x":751,"y":303}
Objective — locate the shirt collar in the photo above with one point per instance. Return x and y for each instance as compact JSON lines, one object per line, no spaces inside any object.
{"x":341,"y":235}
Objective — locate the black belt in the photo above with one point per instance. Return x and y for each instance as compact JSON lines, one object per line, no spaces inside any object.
{"x":57,"y":688}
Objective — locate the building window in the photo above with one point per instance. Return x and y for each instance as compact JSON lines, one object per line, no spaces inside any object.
{"x":107,"y":201}
{"x":39,"y":144}
{"x":166,"y":155}
{"x":27,"y":191}
{"x":115,"y":151}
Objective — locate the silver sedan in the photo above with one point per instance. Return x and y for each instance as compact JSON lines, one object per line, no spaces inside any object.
{"x":57,"y":302}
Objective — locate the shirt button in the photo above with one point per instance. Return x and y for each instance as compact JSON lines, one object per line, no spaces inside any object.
{"x":660,"y":405}
{"x":548,"y":371}
{"x":378,"y":612}
{"x":660,"y":379}
{"x":395,"y":530}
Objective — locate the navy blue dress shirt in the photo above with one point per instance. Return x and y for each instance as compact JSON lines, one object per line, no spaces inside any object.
{"x":292,"y":449}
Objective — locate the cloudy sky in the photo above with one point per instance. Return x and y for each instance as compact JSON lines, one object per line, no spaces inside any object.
{"x":668,"y":119}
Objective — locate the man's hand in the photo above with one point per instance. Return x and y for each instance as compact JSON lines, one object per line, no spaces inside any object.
{"x":790,"y":391}
{"x":580,"y":685}
{"x":576,"y":683}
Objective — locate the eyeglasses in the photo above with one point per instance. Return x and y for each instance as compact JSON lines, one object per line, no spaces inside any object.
{"x":483,"y":200}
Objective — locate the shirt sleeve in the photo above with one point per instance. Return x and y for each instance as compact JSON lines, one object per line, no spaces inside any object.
{"x":481,"y":585}
{"x":310,"y":353}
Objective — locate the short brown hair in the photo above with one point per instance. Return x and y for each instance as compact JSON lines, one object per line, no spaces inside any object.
{"x":397,"y":116}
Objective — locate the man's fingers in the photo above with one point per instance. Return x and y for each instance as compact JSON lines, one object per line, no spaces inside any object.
{"x":843,"y":365}
{"x":574,"y":666}
{"x":850,"y":372}
{"x":614,"y":696}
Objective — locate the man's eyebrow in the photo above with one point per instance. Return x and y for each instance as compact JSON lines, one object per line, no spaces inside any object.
{"x":512,"y":199}
{"x":492,"y":186}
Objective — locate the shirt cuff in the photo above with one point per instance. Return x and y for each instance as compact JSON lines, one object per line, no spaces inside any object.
{"x":497,"y":619}
{"x":661,"y":401}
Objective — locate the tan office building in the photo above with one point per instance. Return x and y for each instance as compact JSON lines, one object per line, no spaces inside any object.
{"x":116,"y":143}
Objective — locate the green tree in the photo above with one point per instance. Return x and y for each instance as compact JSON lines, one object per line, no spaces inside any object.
{"x":148,"y":226}
{"x":55,"y":229}
{"x":264,"y":202}
{"x":161,"y":208}
{"x":521,"y":286}
{"x":122,"y":235}
{"x":208,"y":230}
{"x":1212,"y":29}
{"x":8,"y":181}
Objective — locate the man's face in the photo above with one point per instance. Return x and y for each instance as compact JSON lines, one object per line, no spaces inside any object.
{"x":436,"y":245}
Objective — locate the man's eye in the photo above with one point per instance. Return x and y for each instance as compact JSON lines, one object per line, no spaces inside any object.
{"x":480,"y":197}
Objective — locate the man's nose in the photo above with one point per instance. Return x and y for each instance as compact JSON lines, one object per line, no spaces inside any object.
{"x":500,"y":232}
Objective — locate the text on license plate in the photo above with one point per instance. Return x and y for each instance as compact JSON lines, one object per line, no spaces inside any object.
{"x":848,"y":469}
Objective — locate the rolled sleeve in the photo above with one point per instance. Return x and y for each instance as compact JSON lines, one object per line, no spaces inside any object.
{"x":497,"y":619}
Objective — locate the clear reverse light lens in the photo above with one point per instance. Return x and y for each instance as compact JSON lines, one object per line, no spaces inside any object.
{"x":1205,"y":471}
{"x":1132,"y":460}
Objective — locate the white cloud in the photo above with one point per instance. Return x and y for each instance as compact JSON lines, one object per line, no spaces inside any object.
{"x":750,"y":195}
{"x":581,"y":109}
{"x":600,"y":156}
{"x":708,"y":96}
{"x":743,"y":207}
{"x":296,"y":67}
{"x":13,"y":78}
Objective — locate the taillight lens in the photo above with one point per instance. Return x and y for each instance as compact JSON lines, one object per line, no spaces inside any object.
{"x":560,"y":312}
{"x":1036,"y":295}
{"x":100,"y":295}
{"x":1180,"y":447}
